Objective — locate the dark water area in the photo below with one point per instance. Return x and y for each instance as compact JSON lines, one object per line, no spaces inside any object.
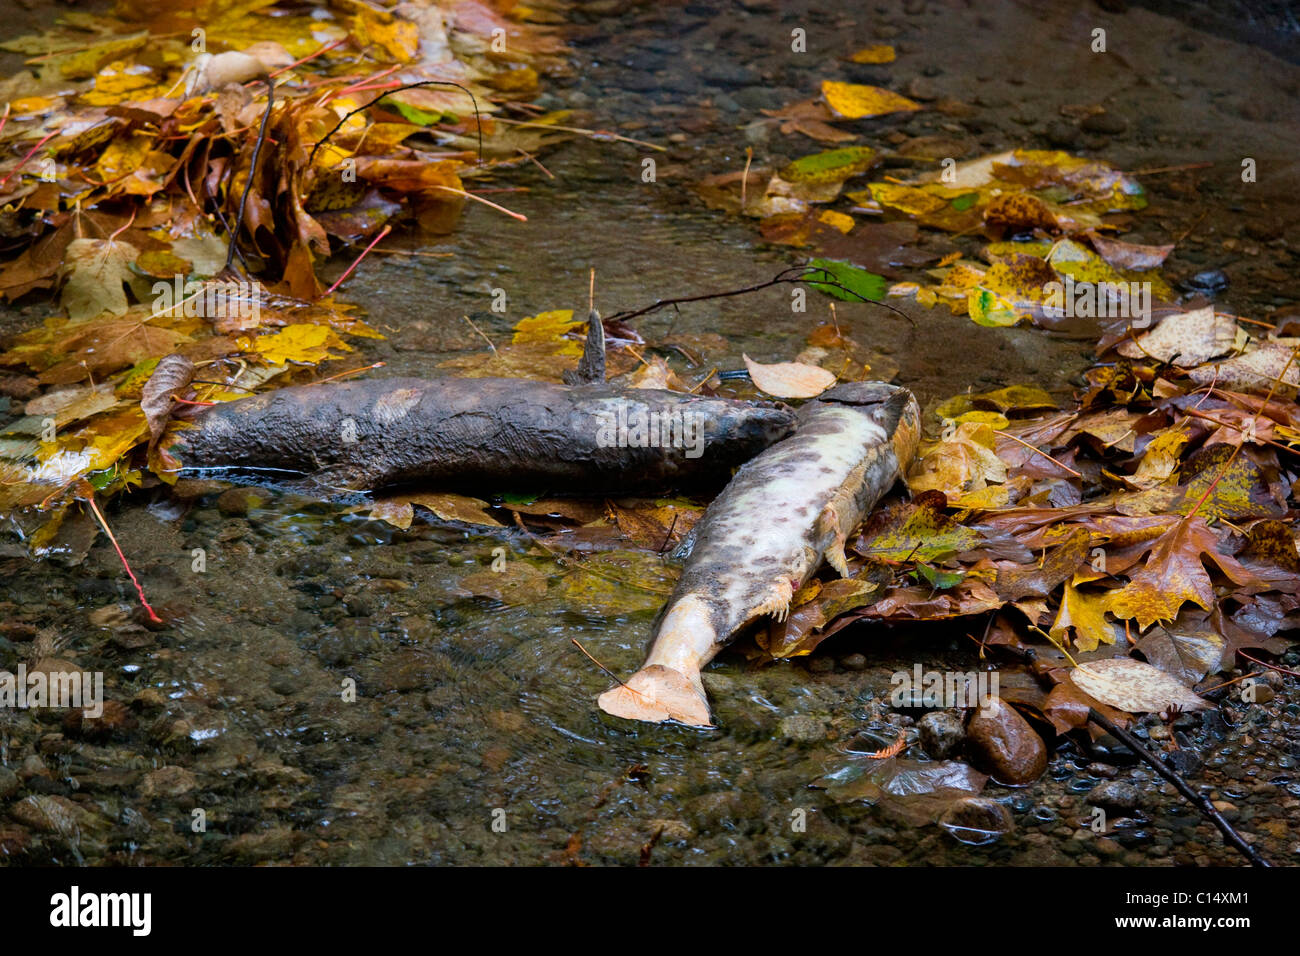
{"x":469,"y":712}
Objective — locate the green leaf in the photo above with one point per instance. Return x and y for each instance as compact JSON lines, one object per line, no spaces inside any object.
{"x":520,"y":498}
{"x":939,"y":579}
{"x":866,"y":285}
{"x":417,"y":116}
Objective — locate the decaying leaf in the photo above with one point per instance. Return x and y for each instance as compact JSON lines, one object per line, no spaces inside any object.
{"x":1133,"y":686}
{"x":1187,"y":339}
{"x":171,"y":376}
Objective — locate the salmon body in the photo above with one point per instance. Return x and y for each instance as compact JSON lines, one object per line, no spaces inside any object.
{"x":766,"y":534}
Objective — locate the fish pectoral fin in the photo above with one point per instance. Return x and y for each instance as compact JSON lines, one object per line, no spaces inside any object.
{"x":829,"y":525}
{"x":828,"y":521}
{"x":777,"y":602}
{"x":834,"y":555}
{"x":655,"y":694}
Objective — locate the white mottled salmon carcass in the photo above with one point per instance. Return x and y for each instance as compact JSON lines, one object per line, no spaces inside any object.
{"x":766,"y":534}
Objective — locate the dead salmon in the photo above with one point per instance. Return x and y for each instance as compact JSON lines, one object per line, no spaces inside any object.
{"x":766,"y":534}
{"x":479,"y":435}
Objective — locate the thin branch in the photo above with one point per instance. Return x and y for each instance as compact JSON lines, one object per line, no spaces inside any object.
{"x":252,"y":171}
{"x":1198,"y":800}
{"x":793,"y":275}
{"x":478,"y":117}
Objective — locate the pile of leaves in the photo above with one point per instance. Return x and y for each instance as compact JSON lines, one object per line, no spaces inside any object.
{"x":127,"y":158}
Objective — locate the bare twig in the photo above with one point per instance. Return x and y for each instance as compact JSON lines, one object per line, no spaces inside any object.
{"x":1198,"y":800}
{"x":478,"y":116}
{"x":252,"y":171}
{"x":790,"y":276}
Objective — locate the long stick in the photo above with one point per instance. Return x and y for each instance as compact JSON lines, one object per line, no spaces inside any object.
{"x":794,"y":274}
{"x":1198,"y":800}
{"x":252,"y":171}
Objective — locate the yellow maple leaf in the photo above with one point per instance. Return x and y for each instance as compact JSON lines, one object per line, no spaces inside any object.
{"x":296,"y":343}
{"x":1085,"y":611}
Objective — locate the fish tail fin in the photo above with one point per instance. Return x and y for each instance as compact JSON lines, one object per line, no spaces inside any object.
{"x":657,"y":693}
{"x":668,"y":685}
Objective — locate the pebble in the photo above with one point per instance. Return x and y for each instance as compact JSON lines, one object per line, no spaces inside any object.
{"x":1210,"y":282}
{"x":977,"y":821}
{"x":168,"y":782}
{"x":854,"y":662}
{"x":671,"y":831}
{"x":1061,"y":133}
{"x":116,"y":717}
{"x":922,"y":88}
{"x":1227,"y":810}
{"x":9,"y":783}
{"x":803,"y":728}
{"x":1263,"y":693}
{"x":238,"y":502}
{"x":942,"y":734}
{"x":1115,"y":795}
{"x":1005,"y":747}
{"x":1104,"y":124}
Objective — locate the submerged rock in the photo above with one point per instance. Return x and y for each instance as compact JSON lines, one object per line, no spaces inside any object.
{"x":942,"y":734}
{"x":977,"y":821}
{"x":803,"y":728}
{"x":1115,"y":795}
{"x":1004,"y":746}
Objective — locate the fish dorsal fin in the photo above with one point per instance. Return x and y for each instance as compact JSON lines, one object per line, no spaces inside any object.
{"x":591,"y":367}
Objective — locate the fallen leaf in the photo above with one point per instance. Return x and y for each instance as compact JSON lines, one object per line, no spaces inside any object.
{"x":856,"y":101}
{"x":1186,"y":339}
{"x":1133,"y":687}
{"x":879,"y":53}
{"x":915,"y":530}
{"x":171,"y":376}
{"x":95,"y":272}
{"x":1085,"y":612}
{"x":1269,"y":367}
{"x":789,"y":379}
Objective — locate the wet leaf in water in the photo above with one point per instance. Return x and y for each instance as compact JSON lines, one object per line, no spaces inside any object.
{"x":830,"y":166}
{"x":517,"y":583}
{"x":879,"y":53}
{"x":856,"y":100}
{"x":851,"y":283}
{"x":617,"y":582}
{"x":398,"y":510}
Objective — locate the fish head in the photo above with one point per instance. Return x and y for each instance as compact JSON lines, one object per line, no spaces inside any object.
{"x":892,"y":407}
